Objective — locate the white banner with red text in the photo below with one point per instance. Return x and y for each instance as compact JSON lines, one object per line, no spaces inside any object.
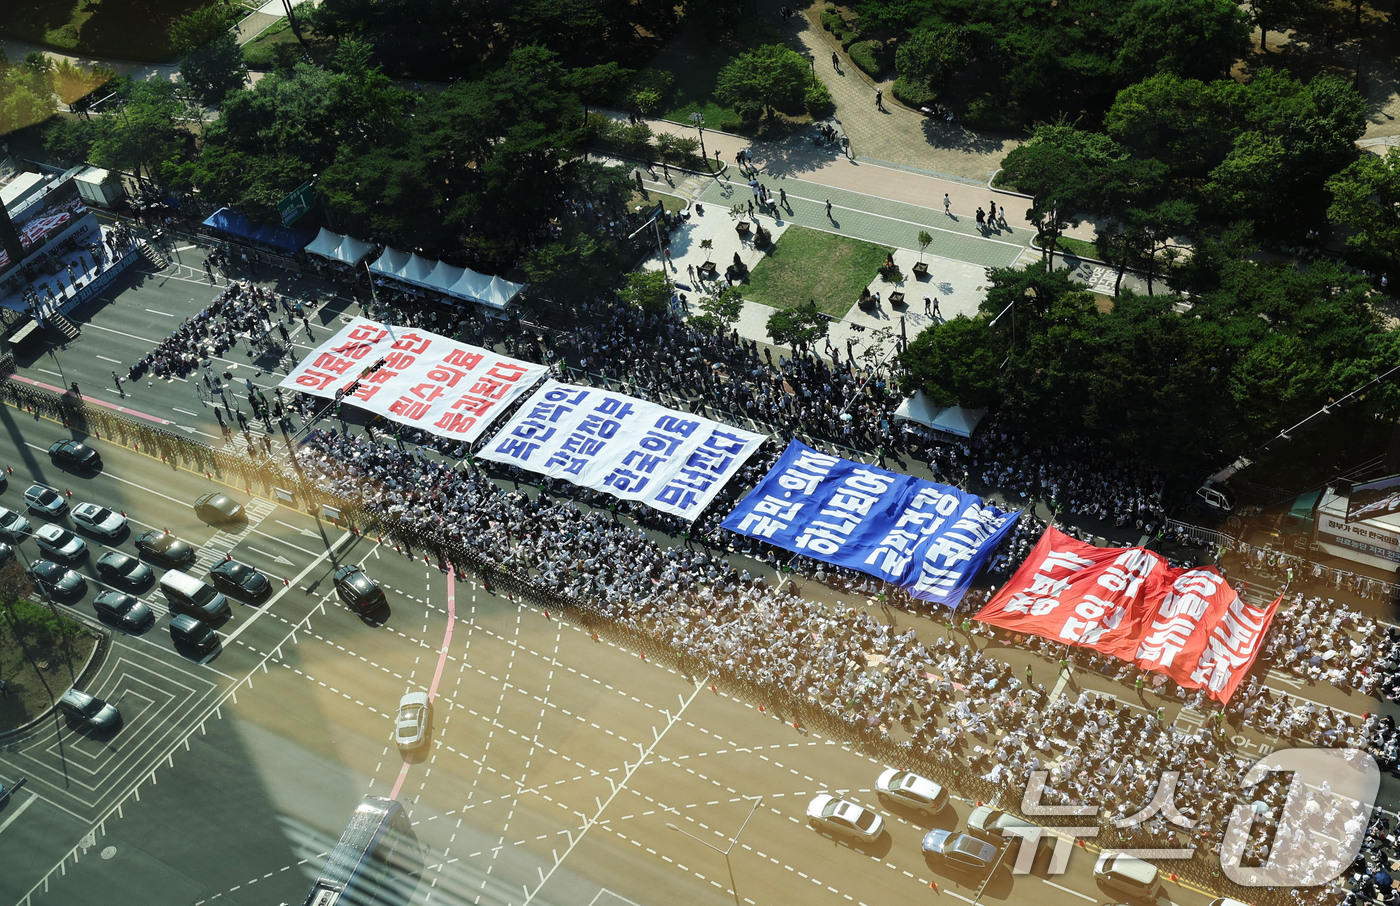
{"x":1132,"y":604}
{"x":672,"y":461}
{"x":423,"y":379}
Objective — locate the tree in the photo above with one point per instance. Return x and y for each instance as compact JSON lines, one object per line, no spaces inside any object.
{"x":770,"y":76}
{"x":1366,"y":200}
{"x":647,"y":290}
{"x":956,"y":363}
{"x":722,"y":307}
{"x":143,"y":134}
{"x":578,"y":266}
{"x":924,"y":240}
{"x":214,"y":70}
{"x":26,"y":93}
{"x":201,"y":26}
{"x":1184,"y":123}
{"x":1192,"y":38}
{"x":798,"y":327}
{"x":929,"y":55}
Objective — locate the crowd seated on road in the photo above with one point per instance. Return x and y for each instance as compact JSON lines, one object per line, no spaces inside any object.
{"x":239,"y":308}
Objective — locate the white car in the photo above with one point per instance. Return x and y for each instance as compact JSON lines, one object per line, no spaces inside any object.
{"x":841,"y":816}
{"x":99,"y":520}
{"x":45,"y":500}
{"x":57,"y":541}
{"x":13,"y":526}
{"x":411,"y":724}
{"x":912,"y":790}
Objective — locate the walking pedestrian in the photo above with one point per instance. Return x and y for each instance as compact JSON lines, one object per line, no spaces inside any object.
{"x":118,"y":379}
{"x":828,"y":211}
{"x":947,"y":205}
{"x":690,"y":272}
{"x":981,"y":220}
{"x":835,"y":61}
{"x":782,"y":198}
{"x":928,"y":306}
{"x":750,"y":208}
{"x":665,"y":171}
{"x":640,"y":187}
{"x":880,"y":99}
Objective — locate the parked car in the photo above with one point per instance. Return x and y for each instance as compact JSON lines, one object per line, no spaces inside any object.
{"x":74,"y":454}
{"x":234,"y":578}
{"x":411,"y":724}
{"x":124,"y":569}
{"x":89,"y":711}
{"x":912,"y":790}
{"x":99,"y":520}
{"x":123,"y":611}
{"x":960,"y":852}
{"x":357,"y":589}
{"x":843,"y":817}
{"x":7,"y":553}
{"x":186,"y":630}
{"x":58,"y":542}
{"x":13,"y":526}
{"x":56,"y":580}
{"x":164,"y":548}
{"x":45,"y":501}
{"x":218,"y":508}
{"x":1128,"y":877}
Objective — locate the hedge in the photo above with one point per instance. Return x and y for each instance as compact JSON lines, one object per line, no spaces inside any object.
{"x":818,"y":101}
{"x":915,"y":94}
{"x":863,"y":54}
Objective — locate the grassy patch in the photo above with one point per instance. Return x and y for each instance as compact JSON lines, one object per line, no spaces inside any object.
{"x":1076,"y":247}
{"x":279,"y":45}
{"x":123,"y":29}
{"x":671,"y":203}
{"x":810,"y":264}
{"x":57,"y":664}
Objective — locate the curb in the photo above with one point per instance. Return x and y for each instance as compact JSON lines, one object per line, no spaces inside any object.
{"x":99,"y":651}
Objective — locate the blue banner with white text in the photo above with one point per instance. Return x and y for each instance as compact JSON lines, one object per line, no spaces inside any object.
{"x":927,"y":538}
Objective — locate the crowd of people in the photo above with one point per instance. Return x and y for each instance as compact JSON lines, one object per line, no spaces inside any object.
{"x":240,"y":309}
{"x":945,"y":699}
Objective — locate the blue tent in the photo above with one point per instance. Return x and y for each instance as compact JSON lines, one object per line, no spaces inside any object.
{"x":227,"y":220}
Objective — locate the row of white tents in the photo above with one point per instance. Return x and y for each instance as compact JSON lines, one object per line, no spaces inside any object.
{"x":413,"y":269}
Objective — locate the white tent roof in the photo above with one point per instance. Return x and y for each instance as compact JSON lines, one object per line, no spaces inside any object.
{"x":499,"y":293}
{"x":391,"y":263}
{"x":353,"y":251}
{"x":950,"y":419}
{"x":418,"y":270}
{"x":471,"y":285}
{"x":444,"y":276}
{"x":326,"y":244}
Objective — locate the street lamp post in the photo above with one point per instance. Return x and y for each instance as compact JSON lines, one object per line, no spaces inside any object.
{"x":728,"y":849}
{"x":699,"y":120}
{"x":812,"y":60}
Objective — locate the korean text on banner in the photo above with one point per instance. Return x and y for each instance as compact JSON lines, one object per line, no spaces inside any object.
{"x":926,"y":537}
{"x":1132,"y":604}
{"x":671,"y":461}
{"x":423,"y":379}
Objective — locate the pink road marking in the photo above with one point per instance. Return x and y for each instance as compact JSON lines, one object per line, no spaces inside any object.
{"x":442,"y":662}
{"x":93,"y":401}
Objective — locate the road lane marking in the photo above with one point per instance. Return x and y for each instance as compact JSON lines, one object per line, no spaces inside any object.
{"x":163,"y":314}
{"x":184,"y":411}
{"x":267,"y":605}
{"x":54,"y":373}
{"x":19,"y":810}
{"x":1082,"y":896}
{"x":105,"y":359}
{"x":276,"y":558}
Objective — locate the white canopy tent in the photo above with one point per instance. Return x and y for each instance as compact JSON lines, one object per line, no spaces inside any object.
{"x":335,"y":247}
{"x":444,"y":276}
{"x":953,"y":420}
{"x":439,"y":276}
{"x":391,"y":263}
{"x":418,"y":270}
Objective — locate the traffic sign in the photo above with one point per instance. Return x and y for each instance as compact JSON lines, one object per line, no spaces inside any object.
{"x":297,"y":203}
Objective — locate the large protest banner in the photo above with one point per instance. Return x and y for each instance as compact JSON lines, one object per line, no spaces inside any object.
{"x":671,"y":461}
{"x":1132,"y":604}
{"x":926,"y":537}
{"x":424,"y":379}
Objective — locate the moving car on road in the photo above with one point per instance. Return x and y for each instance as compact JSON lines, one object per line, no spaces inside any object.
{"x":58,"y":542}
{"x":186,"y":630}
{"x":55,"y":580}
{"x":123,"y":611}
{"x":46,"y":501}
{"x":960,"y":852}
{"x":912,"y":790}
{"x":124,"y":569}
{"x":99,"y":520}
{"x":74,"y":454}
{"x":13,"y":526}
{"x":1128,"y":877}
{"x":411,"y":724}
{"x":89,"y":711}
{"x":357,"y":589}
{"x":234,"y":578}
{"x":218,"y":508}
{"x":164,"y":548}
{"x":841,"y":816}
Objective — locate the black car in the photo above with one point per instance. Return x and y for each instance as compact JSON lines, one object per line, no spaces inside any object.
{"x":123,"y":611}
{"x":164,"y":548}
{"x":74,"y":455}
{"x":124,"y":569}
{"x":186,"y":630}
{"x":234,"y":578}
{"x":218,"y":508}
{"x":357,"y":589}
{"x":55,"y":580}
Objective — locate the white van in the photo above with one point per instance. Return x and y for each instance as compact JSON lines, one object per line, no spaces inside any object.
{"x":1128,"y":877}
{"x":194,"y":597}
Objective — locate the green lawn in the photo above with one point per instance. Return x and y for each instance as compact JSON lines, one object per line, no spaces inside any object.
{"x":34,"y":669}
{"x":810,"y":264}
{"x":121,"y":29}
{"x":672,"y":203}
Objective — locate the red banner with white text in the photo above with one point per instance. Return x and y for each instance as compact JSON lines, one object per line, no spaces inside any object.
{"x":1132,"y":604}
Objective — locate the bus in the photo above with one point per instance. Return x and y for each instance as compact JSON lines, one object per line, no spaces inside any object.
{"x":377,"y":861}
